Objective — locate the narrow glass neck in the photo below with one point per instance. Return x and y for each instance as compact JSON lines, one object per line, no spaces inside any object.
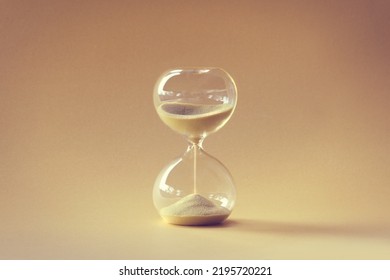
{"x":195,"y":142}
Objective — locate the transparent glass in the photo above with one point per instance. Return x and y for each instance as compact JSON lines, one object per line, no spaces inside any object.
{"x":196,"y":188}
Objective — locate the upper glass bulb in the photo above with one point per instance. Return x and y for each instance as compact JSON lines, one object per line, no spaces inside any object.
{"x":195,"y":102}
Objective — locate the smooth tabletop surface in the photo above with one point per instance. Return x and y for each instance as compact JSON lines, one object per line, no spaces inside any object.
{"x":81,"y":143}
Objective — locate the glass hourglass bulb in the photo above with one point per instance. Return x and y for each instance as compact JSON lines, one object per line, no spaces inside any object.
{"x":195,"y":189}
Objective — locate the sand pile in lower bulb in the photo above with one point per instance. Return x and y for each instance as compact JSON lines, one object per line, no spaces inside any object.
{"x":194,"y":205}
{"x":194,"y":210}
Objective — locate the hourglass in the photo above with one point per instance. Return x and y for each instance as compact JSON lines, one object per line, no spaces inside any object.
{"x":195,"y":189}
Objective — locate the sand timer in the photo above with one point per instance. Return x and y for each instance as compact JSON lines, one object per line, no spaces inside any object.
{"x":196,"y":188}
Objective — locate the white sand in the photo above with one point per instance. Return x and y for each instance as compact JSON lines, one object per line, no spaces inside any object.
{"x":194,"y":120}
{"x":194,"y":209}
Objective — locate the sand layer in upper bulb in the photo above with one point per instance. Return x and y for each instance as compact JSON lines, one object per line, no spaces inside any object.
{"x":193,"y":210}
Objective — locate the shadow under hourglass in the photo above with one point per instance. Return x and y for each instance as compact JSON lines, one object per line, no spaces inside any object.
{"x":381,"y":231}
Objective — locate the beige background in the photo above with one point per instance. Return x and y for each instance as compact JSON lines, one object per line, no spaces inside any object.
{"x":81,"y":144}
